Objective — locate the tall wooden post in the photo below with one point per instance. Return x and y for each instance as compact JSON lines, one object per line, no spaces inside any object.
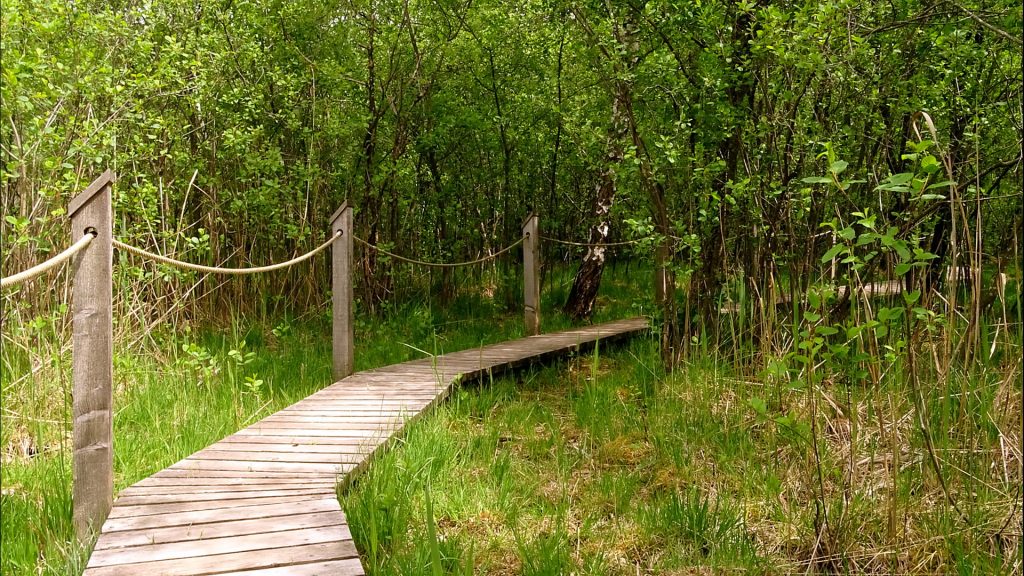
{"x":92,"y":359}
{"x":341,"y":293}
{"x":531,"y":277}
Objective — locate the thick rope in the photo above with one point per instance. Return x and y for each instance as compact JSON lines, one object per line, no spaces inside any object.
{"x":47,"y":265}
{"x":219,"y":270}
{"x":599,"y":244}
{"x":439,"y":264}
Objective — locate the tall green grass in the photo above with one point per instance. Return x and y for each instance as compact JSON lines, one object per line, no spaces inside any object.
{"x":605,"y":465}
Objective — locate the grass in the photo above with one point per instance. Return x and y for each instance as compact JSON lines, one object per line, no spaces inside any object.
{"x":602,"y":464}
{"x":608,"y":466}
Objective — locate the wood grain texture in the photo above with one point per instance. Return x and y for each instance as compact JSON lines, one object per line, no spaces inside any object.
{"x":342,"y":295}
{"x":92,"y":359}
{"x":262,"y":501}
{"x":531,"y":274}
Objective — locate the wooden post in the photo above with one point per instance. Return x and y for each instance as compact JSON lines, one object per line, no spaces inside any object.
{"x":341,"y":293}
{"x":531,"y":277}
{"x":661,"y":255}
{"x":92,"y":359}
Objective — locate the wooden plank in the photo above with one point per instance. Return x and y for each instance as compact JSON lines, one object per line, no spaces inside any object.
{"x":229,"y":501}
{"x":300,"y":440}
{"x":92,"y":364}
{"x":342,"y":425}
{"x":215,"y":546}
{"x":402,"y":371}
{"x":405,"y":413}
{"x":341,"y":401}
{"x":198,"y":496}
{"x":220,"y":515}
{"x":334,"y":418}
{"x":235,"y":466}
{"x":243,"y":476}
{"x":348,"y":567}
{"x":219,"y":529}
{"x":234,"y":561}
{"x":271,"y":431}
{"x":387,"y":383}
{"x":340,"y":409}
{"x":236,"y":455}
{"x":381,"y":380}
{"x":189,"y":488}
{"x":331,"y":423}
{"x":352,"y":448}
{"x":331,"y":404}
{"x":384,"y":382}
{"x":348,"y":396}
{"x":424,"y":377}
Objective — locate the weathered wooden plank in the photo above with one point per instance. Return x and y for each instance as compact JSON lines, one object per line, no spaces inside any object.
{"x":271,"y":431}
{"x":339,"y":408}
{"x":406,"y":404}
{"x":219,"y":529}
{"x":189,"y":488}
{"x":378,"y":395}
{"x":311,"y":457}
{"x":261,"y":542}
{"x":242,"y":475}
{"x":334,"y":418}
{"x":384,"y":384}
{"x":282,"y":440}
{"x":219,"y":515}
{"x":231,"y":500}
{"x":379,"y":380}
{"x":350,"y":448}
{"x":343,"y":422}
{"x":235,"y":465}
{"x":220,"y":563}
{"x":198,"y":496}
{"x":362,"y":412}
{"x":321,"y":425}
{"x":348,"y":567}
{"x":330,"y":404}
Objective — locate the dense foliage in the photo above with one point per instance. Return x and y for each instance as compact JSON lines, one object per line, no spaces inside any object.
{"x":237,"y":128}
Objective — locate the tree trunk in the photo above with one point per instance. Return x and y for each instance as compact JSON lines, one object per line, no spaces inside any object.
{"x":709,"y":278}
{"x":580,"y":303}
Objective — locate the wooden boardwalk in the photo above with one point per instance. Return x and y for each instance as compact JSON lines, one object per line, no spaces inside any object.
{"x":263,"y":501}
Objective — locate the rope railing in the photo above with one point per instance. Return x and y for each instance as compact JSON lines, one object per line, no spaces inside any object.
{"x":595,"y":244}
{"x":48,"y":265}
{"x":221,"y":270}
{"x":438,"y":264}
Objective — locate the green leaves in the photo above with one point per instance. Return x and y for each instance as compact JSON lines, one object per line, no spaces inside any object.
{"x":834,"y":251}
{"x":758,"y":405}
